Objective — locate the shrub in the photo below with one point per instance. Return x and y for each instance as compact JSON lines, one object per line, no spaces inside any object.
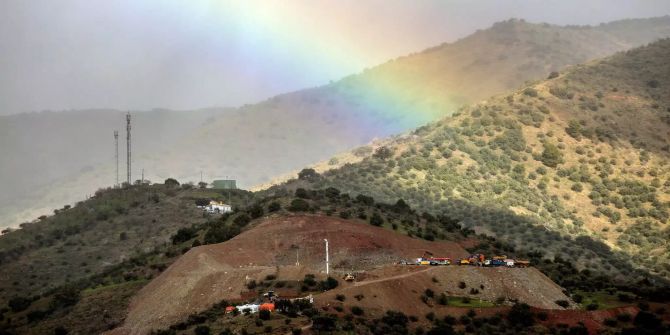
{"x":299,"y":205}
{"x":264,"y":314}
{"x":592,"y":306}
{"x":553,"y":74}
{"x":383,"y":153}
{"x":202,"y":330}
{"x":171,"y":182}
{"x":429,"y":293}
{"x":256,"y":211}
{"x":329,"y":284}
{"x":356,"y":310}
{"x":274,"y":206}
{"x":340,"y":297}
{"x":442,"y":299}
{"x":521,"y":315}
{"x":307,"y":174}
{"x":376,"y":220}
{"x":551,"y":156}
{"x":531,"y":92}
{"x":563,"y":303}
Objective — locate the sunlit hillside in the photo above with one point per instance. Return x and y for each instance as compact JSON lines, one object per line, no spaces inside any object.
{"x":575,"y":166}
{"x":294,"y":129}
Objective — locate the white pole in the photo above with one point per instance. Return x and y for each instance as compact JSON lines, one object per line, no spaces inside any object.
{"x":327,"y":267}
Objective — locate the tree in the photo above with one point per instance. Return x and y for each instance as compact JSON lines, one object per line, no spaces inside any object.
{"x":376,"y":220}
{"x":531,"y":92}
{"x":256,"y":211}
{"x":520,"y":314}
{"x":383,"y":153}
{"x":183,"y":235}
{"x":369,"y":201}
{"x":202,"y":185}
{"x":308,"y":174}
{"x":202,"y":202}
{"x":574,"y":129}
{"x":551,"y":156}
{"x":274,"y":206}
{"x":553,"y":75}
{"x":171,"y":182}
{"x":299,"y":205}
{"x":329,"y":284}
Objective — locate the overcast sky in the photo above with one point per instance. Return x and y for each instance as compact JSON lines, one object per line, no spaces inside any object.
{"x":143,"y":54}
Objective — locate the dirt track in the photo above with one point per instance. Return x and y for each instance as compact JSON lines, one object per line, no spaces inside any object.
{"x":205,"y":275}
{"x":400,"y":288}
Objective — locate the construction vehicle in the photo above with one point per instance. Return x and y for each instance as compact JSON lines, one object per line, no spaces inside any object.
{"x":522,"y":264}
{"x":500,"y":258}
{"x":494,"y":262}
{"x":440,"y":260}
{"x":464,"y":261}
{"x":349,"y":277}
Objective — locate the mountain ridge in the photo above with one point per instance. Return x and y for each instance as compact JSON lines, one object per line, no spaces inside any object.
{"x":352,"y":111}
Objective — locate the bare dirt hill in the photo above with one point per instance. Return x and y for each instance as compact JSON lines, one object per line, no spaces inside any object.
{"x":206,"y":275}
{"x":400,"y":288}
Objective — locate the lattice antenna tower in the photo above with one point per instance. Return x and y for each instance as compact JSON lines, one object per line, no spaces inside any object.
{"x":116,"y":155}
{"x":128,"y":159}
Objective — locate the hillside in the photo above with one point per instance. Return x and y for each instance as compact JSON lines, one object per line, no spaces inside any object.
{"x":209,"y":274}
{"x":177,"y":285}
{"x":574,"y":167}
{"x":294,"y":129}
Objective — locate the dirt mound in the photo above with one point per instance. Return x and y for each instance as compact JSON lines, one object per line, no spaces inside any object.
{"x":207,"y":274}
{"x":400,"y":288}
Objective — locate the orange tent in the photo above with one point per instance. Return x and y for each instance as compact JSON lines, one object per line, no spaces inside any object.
{"x":230,"y":309}
{"x":267,"y":307}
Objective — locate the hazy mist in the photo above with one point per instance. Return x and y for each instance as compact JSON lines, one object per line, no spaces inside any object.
{"x":127,"y":54}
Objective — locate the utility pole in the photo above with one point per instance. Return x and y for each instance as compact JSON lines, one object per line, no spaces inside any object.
{"x":327,"y":260}
{"x":297,"y":257}
{"x":128,"y":158}
{"x":116,"y":155}
{"x":142,"y":181}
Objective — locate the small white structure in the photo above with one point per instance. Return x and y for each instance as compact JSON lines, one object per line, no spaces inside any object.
{"x":509,"y":262}
{"x":253,"y":308}
{"x":218,"y":207}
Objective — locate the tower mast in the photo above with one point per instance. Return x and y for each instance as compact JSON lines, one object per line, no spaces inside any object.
{"x":116,"y":155}
{"x":128,"y":149}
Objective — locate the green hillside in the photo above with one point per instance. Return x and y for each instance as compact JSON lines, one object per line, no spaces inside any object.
{"x":575,"y":166}
{"x":46,"y":172}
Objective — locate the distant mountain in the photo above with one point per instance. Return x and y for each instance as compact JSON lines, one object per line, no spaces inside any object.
{"x":292,"y":130}
{"x":574,"y":167}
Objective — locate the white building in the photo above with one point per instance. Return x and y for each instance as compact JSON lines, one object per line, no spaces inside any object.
{"x":218,"y":207}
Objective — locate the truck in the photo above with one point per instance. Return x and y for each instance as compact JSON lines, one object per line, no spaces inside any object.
{"x":494,"y":262}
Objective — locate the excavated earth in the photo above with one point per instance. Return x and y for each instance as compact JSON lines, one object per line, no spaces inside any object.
{"x":401,"y":287}
{"x":208,"y":274}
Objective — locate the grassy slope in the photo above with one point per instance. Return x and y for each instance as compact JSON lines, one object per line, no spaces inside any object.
{"x":484,"y":165}
{"x":288,"y":129}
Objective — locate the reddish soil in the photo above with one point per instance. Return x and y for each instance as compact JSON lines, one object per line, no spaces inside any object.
{"x":400,"y":288}
{"x":592,"y":320}
{"x":205,"y":275}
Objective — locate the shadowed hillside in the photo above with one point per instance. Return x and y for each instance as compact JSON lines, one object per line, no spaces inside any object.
{"x":295,"y":129}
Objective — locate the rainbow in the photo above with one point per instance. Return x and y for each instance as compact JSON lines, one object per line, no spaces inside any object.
{"x":282,"y":29}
